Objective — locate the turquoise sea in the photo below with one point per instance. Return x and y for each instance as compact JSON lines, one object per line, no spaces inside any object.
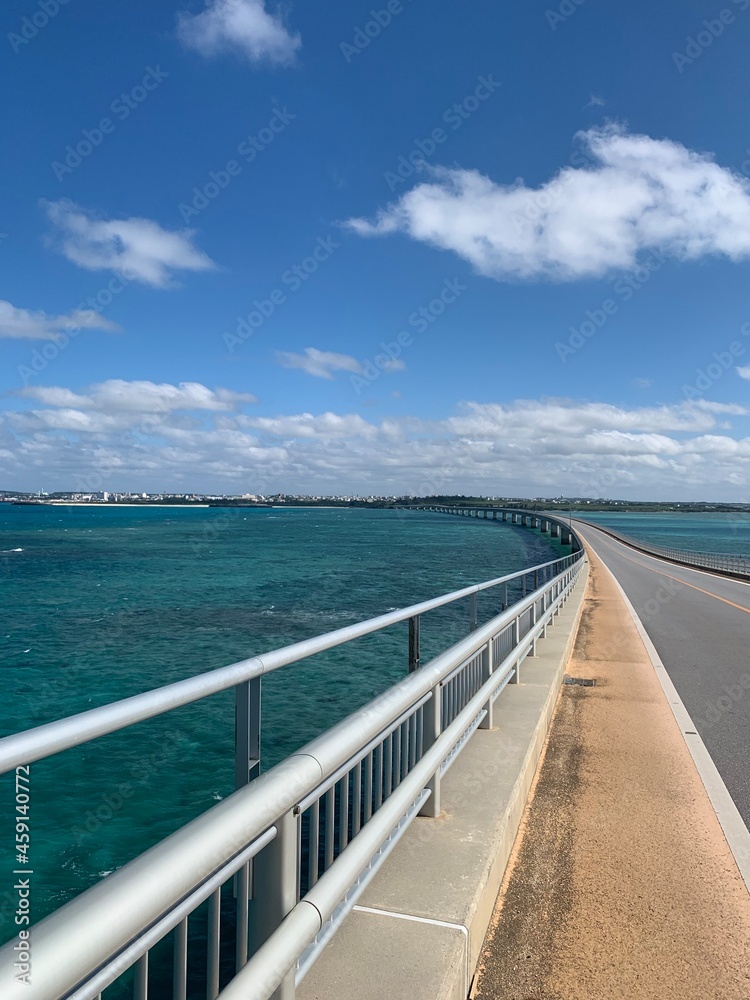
{"x":99,"y":604}
{"x":711,"y":532}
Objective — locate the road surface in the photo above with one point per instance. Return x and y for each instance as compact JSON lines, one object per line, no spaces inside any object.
{"x":699,"y":623}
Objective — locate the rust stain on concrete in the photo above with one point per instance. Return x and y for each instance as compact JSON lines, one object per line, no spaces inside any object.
{"x":621,"y":885}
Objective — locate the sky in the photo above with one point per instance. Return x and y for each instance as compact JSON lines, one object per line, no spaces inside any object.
{"x":357,"y":248}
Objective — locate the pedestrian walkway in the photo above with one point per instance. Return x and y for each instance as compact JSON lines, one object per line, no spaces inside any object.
{"x":621,"y":884}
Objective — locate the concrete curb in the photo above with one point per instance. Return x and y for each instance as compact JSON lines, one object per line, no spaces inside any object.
{"x":419,"y":928}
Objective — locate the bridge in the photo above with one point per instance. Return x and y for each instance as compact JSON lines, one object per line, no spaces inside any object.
{"x":243,"y":901}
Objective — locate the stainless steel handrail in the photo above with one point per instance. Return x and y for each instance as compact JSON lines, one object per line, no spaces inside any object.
{"x":77,"y":940}
{"x":53,"y":737}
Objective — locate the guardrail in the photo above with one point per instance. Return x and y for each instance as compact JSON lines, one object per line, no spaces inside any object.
{"x":721,"y":562}
{"x":270,"y":872}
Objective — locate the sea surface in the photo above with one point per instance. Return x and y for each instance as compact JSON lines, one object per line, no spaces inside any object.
{"x":102,"y":603}
{"x":712,"y":532}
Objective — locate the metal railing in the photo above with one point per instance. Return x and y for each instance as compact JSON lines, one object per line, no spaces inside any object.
{"x":269,"y":873}
{"x":722,"y":562}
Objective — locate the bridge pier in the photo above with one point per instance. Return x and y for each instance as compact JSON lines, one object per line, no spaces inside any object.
{"x":545,"y":526}
{"x":555,"y":530}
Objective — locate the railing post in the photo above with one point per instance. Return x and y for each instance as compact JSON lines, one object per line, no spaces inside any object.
{"x":487,"y":668}
{"x":505,"y":596}
{"x":432,"y":724}
{"x":246,"y":732}
{"x":473,"y":612}
{"x":413,"y":644}
{"x":275,"y":890}
{"x":533,"y":623}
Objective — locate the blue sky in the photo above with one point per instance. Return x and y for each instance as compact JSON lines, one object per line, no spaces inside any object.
{"x":216,"y":215}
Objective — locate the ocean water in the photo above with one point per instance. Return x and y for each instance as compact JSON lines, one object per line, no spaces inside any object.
{"x":99,"y":604}
{"x":710,"y":532}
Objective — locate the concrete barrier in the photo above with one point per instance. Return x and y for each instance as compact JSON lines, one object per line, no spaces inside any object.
{"x":418,"y":929}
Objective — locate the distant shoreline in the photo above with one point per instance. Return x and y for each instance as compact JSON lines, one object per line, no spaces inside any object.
{"x":83,"y":503}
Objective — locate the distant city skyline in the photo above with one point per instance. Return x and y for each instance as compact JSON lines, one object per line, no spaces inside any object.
{"x":376,"y":249}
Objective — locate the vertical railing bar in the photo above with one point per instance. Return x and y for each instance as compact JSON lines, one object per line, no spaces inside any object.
{"x":179,"y":971}
{"x":378,"y":764}
{"x":243,"y":891}
{"x":356,"y":798}
{"x":388,"y":764}
{"x":397,"y":740}
{"x":140,"y":982}
{"x":213,"y":944}
{"x":313,"y":849}
{"x":329,"y":826}
{"x":368,"y":786}
{"x":405,"y":748}
{"x":343,"y":812}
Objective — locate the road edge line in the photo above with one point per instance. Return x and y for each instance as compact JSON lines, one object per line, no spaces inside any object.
{"x":736,"y":833}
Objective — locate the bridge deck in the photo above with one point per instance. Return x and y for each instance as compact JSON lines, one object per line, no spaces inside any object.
{"x":622,"y":883}
{"x":700,"y":625}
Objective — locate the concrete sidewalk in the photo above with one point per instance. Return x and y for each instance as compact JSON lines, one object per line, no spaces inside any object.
{"x":621,"y":884}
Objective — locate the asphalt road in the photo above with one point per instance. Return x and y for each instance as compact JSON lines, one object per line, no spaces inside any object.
{"x":700,"y":625}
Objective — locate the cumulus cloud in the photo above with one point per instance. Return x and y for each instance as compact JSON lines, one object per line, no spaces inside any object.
{"x":137,"y":248}
{"x":243,"y":26}
{"x":142,"y":435}
{"x":22,"y":324}
{"x":635,"y":194}
{"x":744,"y":371}
{"x":322,"y":364}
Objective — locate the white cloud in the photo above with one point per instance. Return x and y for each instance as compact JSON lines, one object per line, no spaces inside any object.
{"x":139,"y":397}
{"x":19,"y":324}
{"x":638,"y":194}
{"x":137,"y":248}
{"x":744,"y":372}
{"x":142,"y":435}
{"x":239,"y":25}
{"x":643,"y":383}
{"x":319,"y":363}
